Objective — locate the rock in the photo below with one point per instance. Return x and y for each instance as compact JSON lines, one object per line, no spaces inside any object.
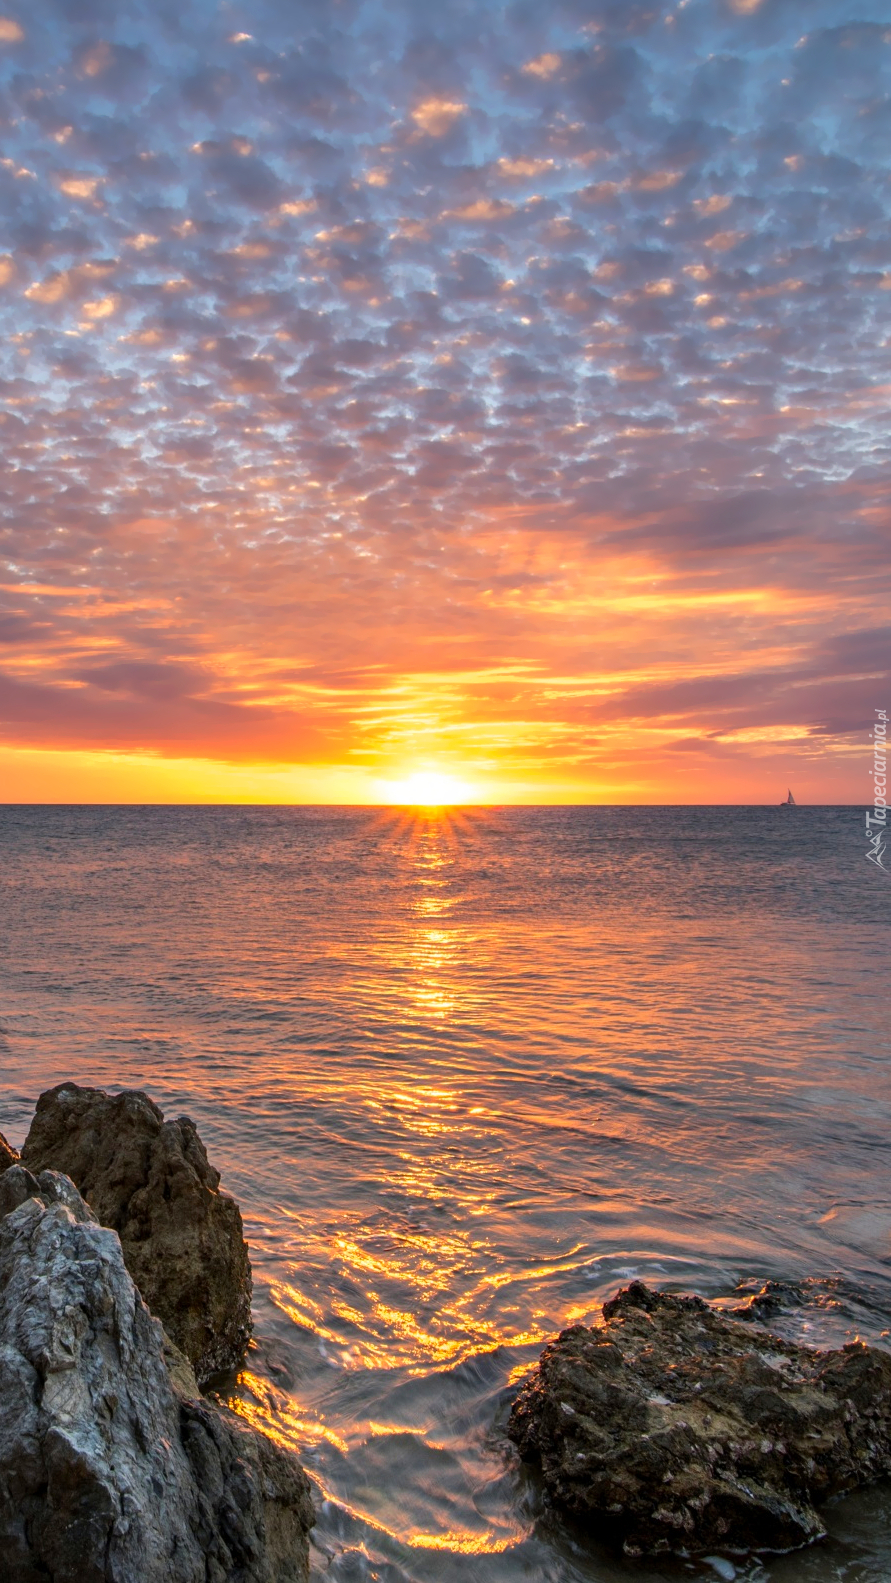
{"x":110,"y":1472}
{"x":150,"y":1181}
{"x":8,"y":1155}
{"x":774,"y":1298}
{"x":674,"y":1428}
{"x":17,"y":1184}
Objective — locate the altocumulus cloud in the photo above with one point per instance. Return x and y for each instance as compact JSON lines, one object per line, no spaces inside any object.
{"x":525,"y":365}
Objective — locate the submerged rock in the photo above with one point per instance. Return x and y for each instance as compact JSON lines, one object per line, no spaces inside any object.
{"x":674,"y":1428}
{"x":771,"y":1300}
{"x":151,"y":1182}
{"x":111,"y":1468}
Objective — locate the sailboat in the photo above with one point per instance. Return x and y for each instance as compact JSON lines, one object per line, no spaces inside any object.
{"x":789,"y":802}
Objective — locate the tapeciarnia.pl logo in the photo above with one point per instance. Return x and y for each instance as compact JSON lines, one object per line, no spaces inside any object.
{"x":875,"y":839}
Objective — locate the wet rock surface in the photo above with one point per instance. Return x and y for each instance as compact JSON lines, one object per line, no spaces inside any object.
{"x":150,"y":1181}
{"x":673,"y":1428}
{"x":112,"y":1470}
{"x":770,"y":1301}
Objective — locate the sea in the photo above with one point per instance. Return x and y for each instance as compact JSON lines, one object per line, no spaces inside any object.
{"x":468,"y":1072}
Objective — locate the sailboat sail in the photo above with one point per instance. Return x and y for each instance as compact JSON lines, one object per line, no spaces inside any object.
{"x":789,"y":802}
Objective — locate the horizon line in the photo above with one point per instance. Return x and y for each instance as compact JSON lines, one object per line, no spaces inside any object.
{"x":430,"y":807}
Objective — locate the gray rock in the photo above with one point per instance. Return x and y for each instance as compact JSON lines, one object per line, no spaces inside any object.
{"x":674,"y":1428}
{"x":151,"y":1182}
{"x":110,"y":1471}
{"x":17,"y":1184}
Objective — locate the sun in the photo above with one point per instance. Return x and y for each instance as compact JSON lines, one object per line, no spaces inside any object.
{"x":428,"y":789}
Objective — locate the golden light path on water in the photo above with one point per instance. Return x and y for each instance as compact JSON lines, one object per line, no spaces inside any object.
{"x":467,"y":1072}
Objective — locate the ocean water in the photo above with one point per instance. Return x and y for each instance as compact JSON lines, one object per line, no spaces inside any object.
{"x":467,"y":1074}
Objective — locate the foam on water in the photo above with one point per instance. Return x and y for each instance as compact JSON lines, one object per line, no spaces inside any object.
{"x":467,"y":1075}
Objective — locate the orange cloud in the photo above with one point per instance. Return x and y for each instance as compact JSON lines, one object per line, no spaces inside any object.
{"x":436,"y":116}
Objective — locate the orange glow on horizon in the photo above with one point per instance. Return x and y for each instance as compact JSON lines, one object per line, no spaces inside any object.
{"x":757,"y":773}
{"x":567,"y":679}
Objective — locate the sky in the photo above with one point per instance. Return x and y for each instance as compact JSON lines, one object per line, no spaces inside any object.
{"x":497,"y":393}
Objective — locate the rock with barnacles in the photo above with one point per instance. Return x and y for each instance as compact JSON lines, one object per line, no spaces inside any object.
{"x":150,"y":1181}
{"x":673,"y":1428}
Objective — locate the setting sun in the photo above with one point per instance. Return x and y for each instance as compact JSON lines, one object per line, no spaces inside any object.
{"x":429,"y":789}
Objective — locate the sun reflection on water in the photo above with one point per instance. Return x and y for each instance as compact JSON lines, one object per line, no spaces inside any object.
{"x":276,"y":1413}
{"x":412,"y":1283}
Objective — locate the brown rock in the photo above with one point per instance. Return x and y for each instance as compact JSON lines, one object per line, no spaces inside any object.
{"x":674,"y":1428}
{"x":8,"y":1155}
{"x":770,"y":1301}
{"x":150,"y":1181}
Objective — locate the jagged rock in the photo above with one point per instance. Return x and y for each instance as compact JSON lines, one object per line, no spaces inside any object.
{"x":110,"y":1472}
{"x":773,"y":1299}
{"x":151,"y":1182}
{"x":674,"y":1428}
{"x":8,"y":1155}
{"x":17,"y":1184}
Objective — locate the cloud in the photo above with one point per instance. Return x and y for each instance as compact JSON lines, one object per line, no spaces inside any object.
{"x":437,"y":116}
{"x":371,"y":344}
{"x":546,"y":66}
{"x":111,"y":68}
